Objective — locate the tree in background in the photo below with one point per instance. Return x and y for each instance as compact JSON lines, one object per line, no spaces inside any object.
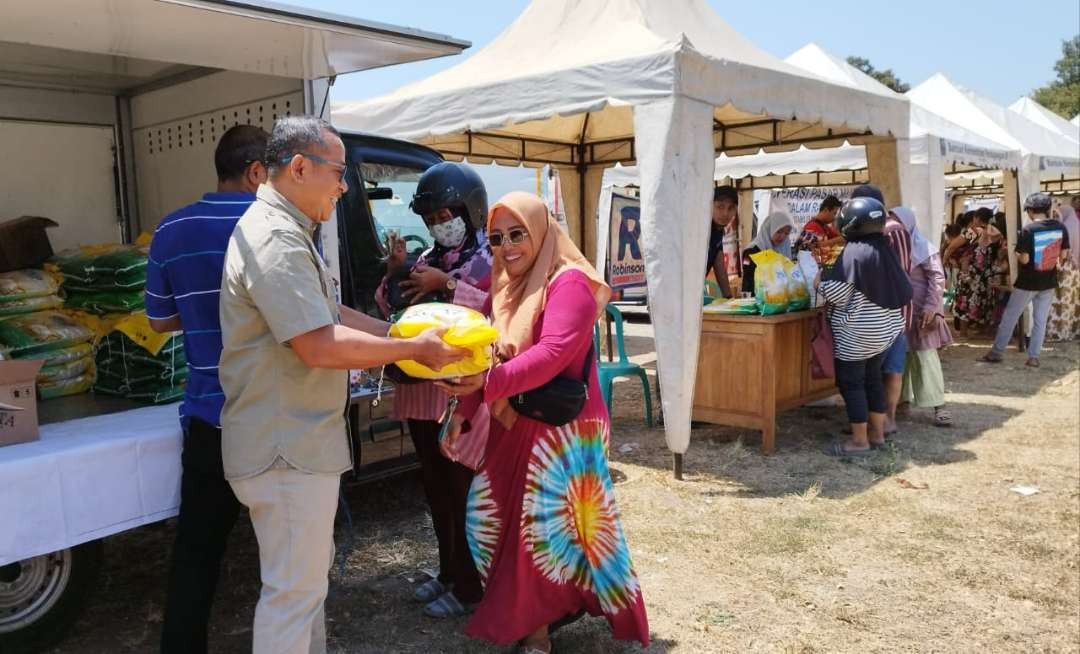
{"x":1063,"y":94}
{"x":886,"y":77}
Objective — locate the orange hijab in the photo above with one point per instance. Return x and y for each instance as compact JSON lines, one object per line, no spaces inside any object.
{"x":517,"y":302}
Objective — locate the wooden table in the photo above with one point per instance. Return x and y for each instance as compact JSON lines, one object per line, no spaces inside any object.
{"x":752,"y":367}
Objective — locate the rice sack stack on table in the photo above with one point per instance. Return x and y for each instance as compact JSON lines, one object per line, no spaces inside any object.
{"x":27,"y":291}
{"x":137,"y":363}
{"x":61,"y":342}
{"x":103,"y":279}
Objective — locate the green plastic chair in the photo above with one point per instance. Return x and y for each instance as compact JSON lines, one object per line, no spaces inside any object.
{"x":620,"y":367}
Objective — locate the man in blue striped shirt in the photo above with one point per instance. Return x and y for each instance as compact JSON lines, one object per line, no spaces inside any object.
{"x":183,"y":284}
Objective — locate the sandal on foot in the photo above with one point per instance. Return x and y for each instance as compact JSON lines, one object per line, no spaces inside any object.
{"x":838,"y":450}
{"x":1032,"y":363}
{"x":448,"y":606}
{"x":429,"y":591}
{"x":991,"y":357}
{"x":942,"y":417}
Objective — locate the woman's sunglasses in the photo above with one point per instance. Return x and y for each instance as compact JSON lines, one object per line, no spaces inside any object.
{"x":515,"y":236}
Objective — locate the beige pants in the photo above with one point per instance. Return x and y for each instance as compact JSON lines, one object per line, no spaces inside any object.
{"x":293,"y":515}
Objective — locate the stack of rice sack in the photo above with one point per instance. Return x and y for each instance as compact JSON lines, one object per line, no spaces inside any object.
{"x":102,"y":279}
{"x":27,"y":291}
{"x":135,"y":362}
{"x":63,"y":344}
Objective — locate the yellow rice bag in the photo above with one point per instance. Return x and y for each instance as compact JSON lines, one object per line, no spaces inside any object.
{"x":770,"y":282}
{"x":467,"y":328}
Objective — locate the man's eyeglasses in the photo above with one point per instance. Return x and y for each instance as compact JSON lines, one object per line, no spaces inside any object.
{"x":316,"y":158}
{"x":515,"y":236}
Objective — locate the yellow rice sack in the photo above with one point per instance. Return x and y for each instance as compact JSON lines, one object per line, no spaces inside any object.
{"x":770,"y":282}
{"x":467,"y":328}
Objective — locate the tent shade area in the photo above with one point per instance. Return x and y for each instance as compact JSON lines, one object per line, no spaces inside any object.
{"x":667,"y":86}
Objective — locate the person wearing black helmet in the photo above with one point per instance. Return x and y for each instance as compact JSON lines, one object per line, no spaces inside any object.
{"x":452,"y":201}
{"x":1043,"y":246}
{"x":866,"y":290}
{"x":724,"y":225}
{"x":892,"y":366}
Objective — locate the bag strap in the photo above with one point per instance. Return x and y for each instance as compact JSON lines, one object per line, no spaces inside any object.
{"x":588,"y":361}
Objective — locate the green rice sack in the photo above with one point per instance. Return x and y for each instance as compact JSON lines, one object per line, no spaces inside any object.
{"x":29,"y":305}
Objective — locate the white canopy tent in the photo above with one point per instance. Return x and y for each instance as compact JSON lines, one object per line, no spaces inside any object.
{"x":1045,"y":154}
{"x":1076,"y":120}
{"x":1040,"y":115}
{"x":937,"y":145}
{"x":583,"y":85}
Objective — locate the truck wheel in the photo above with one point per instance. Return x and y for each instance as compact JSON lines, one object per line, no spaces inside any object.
{"x":41,"y":597}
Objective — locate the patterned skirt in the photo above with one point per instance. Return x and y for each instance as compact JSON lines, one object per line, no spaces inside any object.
{"x":545,"y":532}
{"x":1064,"y":321}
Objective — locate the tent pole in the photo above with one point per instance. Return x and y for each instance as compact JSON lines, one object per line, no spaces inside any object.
{"x":677,"y":465}
{"x":581,"y":201}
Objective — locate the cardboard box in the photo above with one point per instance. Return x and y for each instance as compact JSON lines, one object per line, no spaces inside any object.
{"x":24,"y":243}
{"x":18,"y":401}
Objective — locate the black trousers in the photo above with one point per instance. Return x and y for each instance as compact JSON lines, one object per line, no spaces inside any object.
{"x":861,"y":386}
{"x":208,"y":511}
{"x":446,"y":485}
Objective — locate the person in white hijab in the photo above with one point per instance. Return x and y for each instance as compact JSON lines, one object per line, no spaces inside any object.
{"x":924,"y":381}
{"x":774,"y":233}
{"x":1064,"y":321}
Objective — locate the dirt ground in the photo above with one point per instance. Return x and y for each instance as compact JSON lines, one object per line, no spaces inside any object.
{"x":923,"y":548}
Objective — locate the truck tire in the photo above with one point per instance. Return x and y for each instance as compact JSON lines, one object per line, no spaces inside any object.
{"x":41,"y":597}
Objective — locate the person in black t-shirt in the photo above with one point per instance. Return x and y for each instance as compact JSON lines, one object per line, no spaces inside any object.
{"x":1043,"y":245}
{"x":725,"y":213}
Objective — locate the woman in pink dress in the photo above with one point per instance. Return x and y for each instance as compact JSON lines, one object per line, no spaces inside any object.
{"x":542,"y":522}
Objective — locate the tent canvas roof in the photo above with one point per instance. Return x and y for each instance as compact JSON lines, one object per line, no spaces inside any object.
{"x":963,"y":145}
{"x":1040,"y":115}
{"x":959,"y":105}
{"x":566,"y":73}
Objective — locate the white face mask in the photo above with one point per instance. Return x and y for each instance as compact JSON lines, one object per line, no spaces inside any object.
{"x":449,"y":234}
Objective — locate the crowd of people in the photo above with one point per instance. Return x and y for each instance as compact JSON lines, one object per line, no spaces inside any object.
{"x":529,"y":538}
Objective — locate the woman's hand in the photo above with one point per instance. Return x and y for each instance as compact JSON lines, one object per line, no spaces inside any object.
{"x":395,"y":245}
{"x":817,"y":280}
{"x":424,"y":280}
{"x":462,"y":385}
{"x":453,"y":433}
{"x":926,"y":320}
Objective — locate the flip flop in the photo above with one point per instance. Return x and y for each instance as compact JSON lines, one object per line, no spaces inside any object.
{"x":838,"y":450}
{"x":429,"y":591}
{"x":448,"y":606}
{"x":942,"y":417}
{"x":990,"y":357}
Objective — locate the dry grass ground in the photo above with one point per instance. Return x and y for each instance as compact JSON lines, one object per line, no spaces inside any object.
{"x":923,"y":548}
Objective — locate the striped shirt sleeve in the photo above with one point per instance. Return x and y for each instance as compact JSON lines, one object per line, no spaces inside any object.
{"x":160,"y":302}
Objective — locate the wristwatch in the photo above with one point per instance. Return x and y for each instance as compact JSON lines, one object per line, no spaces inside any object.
{"x":451,"y":284}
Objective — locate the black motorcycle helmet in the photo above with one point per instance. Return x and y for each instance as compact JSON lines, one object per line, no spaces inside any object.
{"x":453,"y":186}
{"x":861,"y":217}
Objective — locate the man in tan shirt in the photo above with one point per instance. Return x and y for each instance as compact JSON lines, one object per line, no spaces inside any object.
{"x":287,"y":349}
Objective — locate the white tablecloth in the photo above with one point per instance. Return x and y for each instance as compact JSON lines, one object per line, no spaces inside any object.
{"x":89,"y":478}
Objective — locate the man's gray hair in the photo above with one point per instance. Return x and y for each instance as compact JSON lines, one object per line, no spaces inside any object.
{"x":295,"y":134}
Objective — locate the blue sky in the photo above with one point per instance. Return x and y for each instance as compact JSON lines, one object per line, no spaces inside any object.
{"x":1001,"y":49}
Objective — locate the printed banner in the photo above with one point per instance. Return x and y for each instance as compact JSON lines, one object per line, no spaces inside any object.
{"x":626,"y":265}
{"x":802,"y":203}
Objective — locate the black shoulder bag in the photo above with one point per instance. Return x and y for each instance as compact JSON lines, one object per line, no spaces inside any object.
{"x":557,"y":402}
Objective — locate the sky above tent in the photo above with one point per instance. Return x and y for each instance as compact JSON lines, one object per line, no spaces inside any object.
{"x":979,"y":45}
